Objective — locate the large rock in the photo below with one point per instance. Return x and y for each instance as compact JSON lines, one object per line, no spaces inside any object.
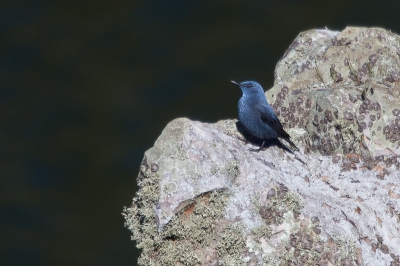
{"x":340,"y":91}
{"x":205,"y":199}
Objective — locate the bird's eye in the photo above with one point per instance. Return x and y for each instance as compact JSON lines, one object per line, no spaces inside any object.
{"x":248,"y":85}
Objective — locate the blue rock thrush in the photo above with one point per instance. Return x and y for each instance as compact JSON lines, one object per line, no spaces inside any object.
{"x":257,"y":116}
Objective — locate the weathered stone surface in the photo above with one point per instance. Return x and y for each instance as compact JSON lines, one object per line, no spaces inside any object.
{"x":205,"y":199}
{"x":330,"y":89}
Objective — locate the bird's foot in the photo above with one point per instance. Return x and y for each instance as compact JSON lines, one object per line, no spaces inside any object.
{"x":259,"y":149}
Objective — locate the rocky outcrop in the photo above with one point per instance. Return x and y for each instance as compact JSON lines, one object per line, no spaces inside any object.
{"x":339,"y":92}
{"x":205,"y":199}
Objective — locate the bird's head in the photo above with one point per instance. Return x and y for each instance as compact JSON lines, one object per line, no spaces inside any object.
{"x":250,"y":88}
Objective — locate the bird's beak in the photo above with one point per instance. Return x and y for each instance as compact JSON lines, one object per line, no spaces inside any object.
{"x":234,"y":82}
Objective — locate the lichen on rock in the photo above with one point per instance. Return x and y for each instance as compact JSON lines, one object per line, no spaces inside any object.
{"x":334,"y":84}
{"x":205,"y":199}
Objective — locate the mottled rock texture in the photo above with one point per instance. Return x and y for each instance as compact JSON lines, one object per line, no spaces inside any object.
{"x":205,"y":199}
{"x":339,"y":92}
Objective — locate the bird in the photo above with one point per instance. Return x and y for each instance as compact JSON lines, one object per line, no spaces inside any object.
{"x":257,"y":116}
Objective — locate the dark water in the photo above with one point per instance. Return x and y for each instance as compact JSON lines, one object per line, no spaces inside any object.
{"x":87,"y":86}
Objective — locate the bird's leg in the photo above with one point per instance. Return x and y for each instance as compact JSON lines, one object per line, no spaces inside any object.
{"x":259,"y":149}
{"x":262,"y":145}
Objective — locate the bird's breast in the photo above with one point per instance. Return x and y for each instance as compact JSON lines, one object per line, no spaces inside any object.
{"x":250,"y":118}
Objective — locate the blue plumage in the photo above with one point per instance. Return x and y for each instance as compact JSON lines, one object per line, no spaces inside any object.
{"x":257,"y":116}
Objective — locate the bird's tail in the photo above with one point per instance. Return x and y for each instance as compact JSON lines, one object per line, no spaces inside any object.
{"x":292,"y":145}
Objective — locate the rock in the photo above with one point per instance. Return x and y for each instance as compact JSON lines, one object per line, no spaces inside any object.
{"x":205,"y":198}
{"x":341,"y":115}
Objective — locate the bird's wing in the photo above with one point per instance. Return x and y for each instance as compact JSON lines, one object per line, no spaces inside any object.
{"x":268,"y":116}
